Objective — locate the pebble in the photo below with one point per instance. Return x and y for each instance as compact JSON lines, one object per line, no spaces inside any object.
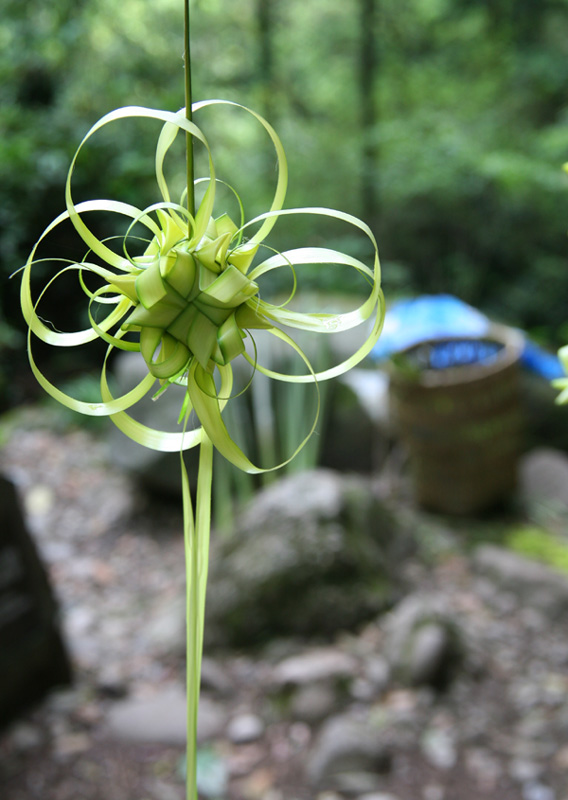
{"x":433,"y":791}
{"x":162,"y":718}
{"x":422,"y":639}
{"x":378,"y":796}
{"x":538,"y":791}
{"x":354,"y":783}
{"x":345,"y":745}
{"x":430,"y":648}
{"x":484,"y":767}
{"x":245,"y":728}
{"x":378,"y":672}
{"x":26,"y":737}
{"x":315,"y":665}
{"x":523,"y":770}
{"x":439,"y":748}
{"x":165,"y":791}
{"x":314,"y":702}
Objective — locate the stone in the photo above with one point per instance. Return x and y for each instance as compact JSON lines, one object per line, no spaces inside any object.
{"x":314,"y":702}
{"x":430,"y":647}
{"x":314,"y":665}
{"x":33,"y":656}
{"x":214,"y":678}
{"x":166,"y":629}
{"x":314,"y":553}
{"x":165,"y":791}
{"x":532,"y":583}
{"x":433,"y":791}
{"x":354,"y":783}
{"x":424,"y":642}
{"x":439,"y":748}
{"x":162,"y":718}
{"x":378,"y":672}
{"x":378,"y":796}
{"x":245,"y":728}
{"x":25,"y":737}
{"x":543,"y":478}
{"x":484,"y":767}
{"x":524,"y":770}
{"x":538,"y":791}
{"x":345,"y":745}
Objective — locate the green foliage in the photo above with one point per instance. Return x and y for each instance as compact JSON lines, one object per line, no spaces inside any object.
{"x":540,"y":544}
{"x":467,"y":143}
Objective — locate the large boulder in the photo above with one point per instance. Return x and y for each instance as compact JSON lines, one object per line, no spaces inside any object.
{"x":312,"y":554}
{"x":33,"y":656}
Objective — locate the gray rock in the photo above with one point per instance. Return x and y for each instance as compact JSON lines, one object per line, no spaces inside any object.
{"x":532,"y":583}
{"x":314,"y":702}
{"x":166,"y":630}
{"x":214,"y":678}
{"x":25,"y":737}
{"x":430,"y":647}
{"x":346,"y":745}
{"x":313,"y":553}
{"x":378,"y":796}
{"x":424,"y":643}
{"x":524,"y":770}
{"x":245,"y":728}
{"x":538,"y":791}
{"x":543,"y":477}
{"x":33,"y":655}
{"x":378,"y":672}
{"x":311,"y":685}
{"x":483,"y":766}
{"x":439,"y":748}
{"x":354,"y":784}
{"x":162,"y":718}
{"x":433,"y":791}
{"x":314,"y":665}
{"x":164,"y":791}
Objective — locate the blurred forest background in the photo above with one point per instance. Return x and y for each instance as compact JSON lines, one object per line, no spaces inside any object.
{"x":442,"y":123}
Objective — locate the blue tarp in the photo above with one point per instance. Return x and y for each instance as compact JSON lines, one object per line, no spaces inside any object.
{"x":409,"y":322}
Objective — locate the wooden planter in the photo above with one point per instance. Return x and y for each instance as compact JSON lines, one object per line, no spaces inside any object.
{"x":457,"y":407}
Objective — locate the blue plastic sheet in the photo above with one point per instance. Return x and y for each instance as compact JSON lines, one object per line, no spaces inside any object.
{"x":411,"y":321}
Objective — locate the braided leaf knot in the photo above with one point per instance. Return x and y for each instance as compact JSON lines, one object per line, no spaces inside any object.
{"x":188,"y":300}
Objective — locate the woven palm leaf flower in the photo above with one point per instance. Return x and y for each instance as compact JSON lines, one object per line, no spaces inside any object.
{"x":188,"y":304}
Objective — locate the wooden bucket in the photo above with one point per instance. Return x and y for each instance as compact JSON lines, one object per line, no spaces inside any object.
{"x":456,"y":403}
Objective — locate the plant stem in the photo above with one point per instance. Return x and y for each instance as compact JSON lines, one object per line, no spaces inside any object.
{"x":188,"y":114}
{"x":196,"y":534}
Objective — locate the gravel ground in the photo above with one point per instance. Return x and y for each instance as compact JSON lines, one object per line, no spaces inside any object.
{"x":499,"y":731}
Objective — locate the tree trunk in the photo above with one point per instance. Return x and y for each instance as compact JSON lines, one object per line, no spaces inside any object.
{"x":368,"y":62}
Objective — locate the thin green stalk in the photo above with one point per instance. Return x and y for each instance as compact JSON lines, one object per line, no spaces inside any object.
{"x":197,"y":534}
{"x":188,"y":114}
